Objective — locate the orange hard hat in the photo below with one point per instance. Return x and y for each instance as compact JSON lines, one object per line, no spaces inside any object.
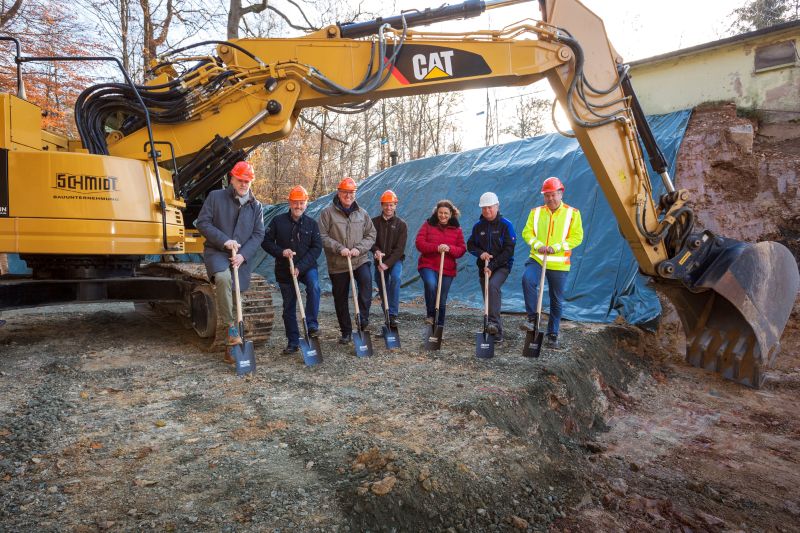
{"x":552,"y":185}
{"x":389,"y":196}
{"x":347,"y":184}
{"x":243,"y":171}
{"x":298,"y":193}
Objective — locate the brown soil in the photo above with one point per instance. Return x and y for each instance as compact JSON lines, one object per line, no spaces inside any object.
{"x":109,"y":421}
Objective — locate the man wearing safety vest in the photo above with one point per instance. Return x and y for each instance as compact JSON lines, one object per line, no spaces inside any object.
{"x":553,"y":230}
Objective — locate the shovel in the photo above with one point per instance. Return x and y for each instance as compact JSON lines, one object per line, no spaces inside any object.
{"x":484,"y":342}
{"x":390,"y":335}
{"x":309,"y":346}
{"x":362,"y":341}
{"x":534,"y":339}
{"x":433,"y":335}
{"x":243,"y":354}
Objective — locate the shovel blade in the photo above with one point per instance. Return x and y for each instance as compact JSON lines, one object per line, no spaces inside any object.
{"x":533,"y":344}
{"x":362,"y":342}
{"x":245,"y":357}
{"x":312,"y":354}
{"x":433,"y":337}
{"x":484,"y":346}
{"x":391,"y":337}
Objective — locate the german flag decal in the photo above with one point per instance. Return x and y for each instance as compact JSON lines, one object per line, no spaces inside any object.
{"x":419,"y":63}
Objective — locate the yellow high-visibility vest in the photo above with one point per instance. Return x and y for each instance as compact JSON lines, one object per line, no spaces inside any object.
{"x":562,"y":230}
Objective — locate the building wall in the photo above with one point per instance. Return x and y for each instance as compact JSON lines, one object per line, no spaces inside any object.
{"x":725,"y":73}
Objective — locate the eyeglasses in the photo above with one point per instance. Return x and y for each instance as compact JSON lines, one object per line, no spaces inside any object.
{"x":347,"y":193}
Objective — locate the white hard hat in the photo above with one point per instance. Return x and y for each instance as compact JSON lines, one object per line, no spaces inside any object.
{"x":488,"y":199}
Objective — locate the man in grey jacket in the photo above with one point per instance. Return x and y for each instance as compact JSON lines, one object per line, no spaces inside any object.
{"x":232,"y":222}
{"x":347,"y":231}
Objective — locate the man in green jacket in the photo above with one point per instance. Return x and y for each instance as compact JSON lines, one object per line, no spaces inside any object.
{"x":347,"y":231}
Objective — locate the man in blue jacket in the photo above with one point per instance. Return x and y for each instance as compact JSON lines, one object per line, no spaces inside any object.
{"x":493,"y":239}
{"x":231,"y":220}
{"x":295,"y":234}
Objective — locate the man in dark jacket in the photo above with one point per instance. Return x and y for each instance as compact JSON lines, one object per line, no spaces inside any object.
{"x":493,"y":239}
{"x":232,"y":222}
{"x":295,"y":234}
{"x":390,"y":244}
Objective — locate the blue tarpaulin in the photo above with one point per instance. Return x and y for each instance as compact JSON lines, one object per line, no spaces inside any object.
{"x":604,"y":281}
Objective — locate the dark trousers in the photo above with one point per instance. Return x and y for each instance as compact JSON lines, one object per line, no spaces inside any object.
{"x":496,"y":281}
{"x":311,"y":280}
{"x":430,"y":278}
{"x":556,"y":283}
{"x":340,"y":286}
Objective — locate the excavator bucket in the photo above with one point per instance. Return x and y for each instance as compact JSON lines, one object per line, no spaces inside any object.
{"x":734,"y":304}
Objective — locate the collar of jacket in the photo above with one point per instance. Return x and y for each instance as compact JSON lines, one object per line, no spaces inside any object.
{"x":299,"y":220}
{"x":338,"y":204}
{"x":235,"y":196}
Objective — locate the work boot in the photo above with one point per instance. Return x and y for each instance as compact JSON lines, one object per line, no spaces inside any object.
{"x":492,"y":329}
{"x":530,"y":325}
{"x":228,"y":358}
{"x":393,"y":322}
{"x":289,"y":350}
{"x":552,"y":341}
{"x":429,"y":320}
{"x":233,"y":336}
{"x":313,"y":333}
{"x":365,"y":325}
{"x":344,"y":339}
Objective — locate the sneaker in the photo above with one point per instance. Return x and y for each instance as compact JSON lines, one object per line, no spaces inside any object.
{"x":313,"y":332}
{"x":552,"y":341}
{"x":393,"y":322}
{"x":233,"y":336}
{"x":492,"y":329}
{"x":530,"y":325}
{"x":290,"y":350}
{"x":429,"y":320}
{"x":344,"y":339}
{"x":228,"y":357}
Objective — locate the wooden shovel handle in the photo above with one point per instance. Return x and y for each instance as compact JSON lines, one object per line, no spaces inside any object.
{"x":485,"y":288}
{"x":237,"y":294}
{"x":353,"y":290}
{"x":541,"y":288}
{"x":383,"y":288}
{"x":297,"y":289}
{"x":439,"y":285}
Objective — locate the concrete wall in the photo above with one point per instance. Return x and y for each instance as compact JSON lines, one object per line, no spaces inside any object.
{"x":722,"y":73}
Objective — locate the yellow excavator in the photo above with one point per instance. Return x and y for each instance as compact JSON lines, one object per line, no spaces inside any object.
{"x":84,"y":213}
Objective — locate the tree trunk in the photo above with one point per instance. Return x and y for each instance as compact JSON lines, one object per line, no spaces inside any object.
{"x":320,"y":155}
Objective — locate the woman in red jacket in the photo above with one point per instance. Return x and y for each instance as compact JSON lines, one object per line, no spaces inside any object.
{"x":440,"y":233}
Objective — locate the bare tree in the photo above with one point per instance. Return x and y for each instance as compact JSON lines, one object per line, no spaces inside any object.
{"x":8,"y":12}
{"x":758,"y":14}
{"x":530,"y":118}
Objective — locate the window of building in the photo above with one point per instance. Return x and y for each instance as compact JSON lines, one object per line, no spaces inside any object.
{"x":777,"y":55}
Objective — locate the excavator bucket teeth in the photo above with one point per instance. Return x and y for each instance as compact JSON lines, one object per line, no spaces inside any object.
{"x":737,"y":307}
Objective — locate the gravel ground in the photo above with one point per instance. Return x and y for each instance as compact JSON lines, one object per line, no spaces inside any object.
{"x":111,"y":420}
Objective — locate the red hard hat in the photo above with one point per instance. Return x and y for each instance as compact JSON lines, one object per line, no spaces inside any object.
{"x":347,"y":185}
{"x":243,"y":171}
{"x":389,"y":196}
{"x":552,"y":185}
{"x":298,"y":193}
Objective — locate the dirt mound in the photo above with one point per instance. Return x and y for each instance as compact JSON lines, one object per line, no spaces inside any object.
{"x":744,"y":182}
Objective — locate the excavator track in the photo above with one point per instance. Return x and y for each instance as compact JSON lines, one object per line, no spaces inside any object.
{"x":201,"y":313}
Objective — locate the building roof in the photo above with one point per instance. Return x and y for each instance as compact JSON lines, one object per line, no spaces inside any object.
{"x":778,"y":28}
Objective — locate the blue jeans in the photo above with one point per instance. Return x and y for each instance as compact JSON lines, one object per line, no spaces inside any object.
{"x":392,"y":276}
{"x":430,"y":278}
{"x":556,"y":283}
{"x":311,"y":280}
